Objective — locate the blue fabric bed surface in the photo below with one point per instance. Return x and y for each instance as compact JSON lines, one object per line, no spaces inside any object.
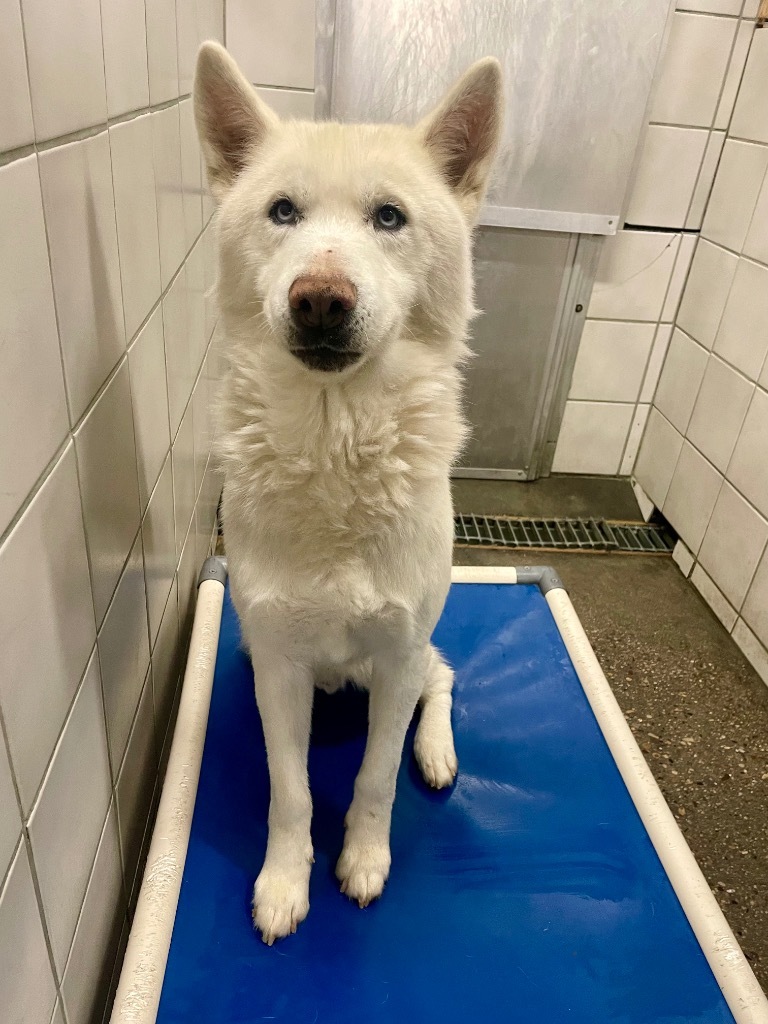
{"x":530,"y":892}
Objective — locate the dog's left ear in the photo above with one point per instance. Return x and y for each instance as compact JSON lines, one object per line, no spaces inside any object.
{"x":463,"y":132}
{"x":231,"y":119}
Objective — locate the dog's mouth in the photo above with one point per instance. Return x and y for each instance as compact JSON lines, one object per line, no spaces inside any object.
{"x":325,"y":350}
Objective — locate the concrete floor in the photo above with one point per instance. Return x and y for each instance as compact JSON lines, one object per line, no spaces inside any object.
{"x":696,"y":707}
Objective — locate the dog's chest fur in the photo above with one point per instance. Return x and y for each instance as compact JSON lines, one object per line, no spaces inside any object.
{"x":336,"y":468}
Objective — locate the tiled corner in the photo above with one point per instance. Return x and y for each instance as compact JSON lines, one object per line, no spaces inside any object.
{"x":748,"y":469}
{"x":680,"y":379}
{"x":683,"y":558}
{"x":755,"y":609}
{"x":635,"y":436}
{"x":756,"y":242}
{"x":162,"y":56}
{"x":278,"y":47}
{"x":82,"y":239}
{"x":693,"y":69}
{"x":195,"y":289}
{"x":750,"y":115}
{"x":106,"y":457}
{"x":10,"y":818}
{"x":16,"y":128}
{"x":190,"y":174}
{"x":678,"y":277}
{"x":32,"y":400}
{"x":159,"y":547}
{"x":742,"y":338}
{"x":657,"y":458}
{"x":592,"y":437}
{"x":673,"y":156}
{"x":733,"y":544}
{"x":611,"y":360}
{"x":137,"y":231}
{"x":69,"y":815}
{"x":149,"y":395}
{"x":67,"y":94}
{"x":47,"y":612}
{"x":706,"y":292}
{"x":178,"y":358}
{"x":166,"y":667}
{"x":656,"y":361}
{"x":714,"y":598}
{"x":184,"y":492}
{"x":133,"y":793}
{"x":124,"y":654}
{"x":85,"y":984}
{"x":752,"y":649}
{"x":125,"y":55}
{"x":705,"y":179}
{"x":166,"y":139}
{"x":719,"y":412}
{"x":691,"y":496}
{"x":738,"y":59}
{"x":633,"y":275}
{"x":27,"y":986}
{"x":734,"y":193}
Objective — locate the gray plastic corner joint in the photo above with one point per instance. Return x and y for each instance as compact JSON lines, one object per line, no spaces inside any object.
{"x":544,"y":576}
{"x":214,"y":568}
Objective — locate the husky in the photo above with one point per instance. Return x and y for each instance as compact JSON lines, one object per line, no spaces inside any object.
{"x":345,"y":293}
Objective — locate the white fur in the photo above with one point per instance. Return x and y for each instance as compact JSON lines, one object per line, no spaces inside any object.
{"x":337,"y":509}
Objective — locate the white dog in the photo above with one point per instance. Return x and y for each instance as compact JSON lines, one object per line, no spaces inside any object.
{"x":345,"y":290}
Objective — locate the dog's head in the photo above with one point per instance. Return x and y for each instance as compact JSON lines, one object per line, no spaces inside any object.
{"x":337,"y":239}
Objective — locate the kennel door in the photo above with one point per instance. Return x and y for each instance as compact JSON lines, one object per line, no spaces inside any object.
{"x":578,"y":76}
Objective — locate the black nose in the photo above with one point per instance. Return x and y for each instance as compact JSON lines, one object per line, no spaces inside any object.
{"x":323,"y":302}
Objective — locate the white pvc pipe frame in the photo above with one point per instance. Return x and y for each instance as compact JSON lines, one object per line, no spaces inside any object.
{"x":141,"y":980}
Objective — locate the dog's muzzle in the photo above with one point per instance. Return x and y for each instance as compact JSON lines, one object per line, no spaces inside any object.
{"x":322,"y":311}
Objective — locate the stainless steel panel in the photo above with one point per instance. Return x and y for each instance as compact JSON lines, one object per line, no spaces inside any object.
{"x":522,"y":284}
{"x":578,"y":77}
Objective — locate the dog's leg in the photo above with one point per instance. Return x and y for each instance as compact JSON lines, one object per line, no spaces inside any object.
{"x":284,"y":693}
{"x":433,"y":745}
{"x":364,"y":864}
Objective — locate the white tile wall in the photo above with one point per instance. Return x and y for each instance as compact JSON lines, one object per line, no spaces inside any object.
{"x":733,"y":544}
{"x":693,"y":69}
{"x":16,"y":128}
{"x":706,"y":292}
{"x":48,"y":627}
{"x":27,"y":986}
{"x":125,"y":55}
{"x":734,"y":194}
{"x":719,"y":412}
{"x":672,"y":155}
{"x":705,"y":179}
{"x":592,"y":437}
{"x":755,"y":610}
{"x":67,"y":819}
{"x":274,"y":44}
{"x":680,"y":379}
{"x":756,"y":242}
{"x":32,"y":402}
{"x":692,"y":495}
{"x":748,"y":469}
{"x":714,"y":598}
{"x":743,"y":335}
{"x":611,"y":362}
{"x":66,"y":65}
{"x":750,"y":115}
{"x":633,"y":275}
{"x":711,"y":6}
{"x":92,"y":227}
{"x":82,"y":238}
{"x":124,"y":654}
{"x":657,"y":458}
{"x":741,"y":46}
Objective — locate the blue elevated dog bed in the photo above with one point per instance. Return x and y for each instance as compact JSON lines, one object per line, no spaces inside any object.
{"x":530,"y":891}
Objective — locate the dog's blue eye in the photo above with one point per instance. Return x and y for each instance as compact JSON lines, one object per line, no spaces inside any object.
{"x":389,"y":217}
{"x":284,"y":212}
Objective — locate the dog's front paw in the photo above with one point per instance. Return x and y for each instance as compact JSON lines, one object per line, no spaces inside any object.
{"x":362,"y":870}
{"x":436,"y":755}
{"x":280,"y":902}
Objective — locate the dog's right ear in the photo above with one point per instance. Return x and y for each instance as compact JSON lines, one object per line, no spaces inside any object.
{"x":231,"y":119}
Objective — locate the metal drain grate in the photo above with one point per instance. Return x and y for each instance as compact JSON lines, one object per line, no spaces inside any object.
{"x":560,"y":534}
